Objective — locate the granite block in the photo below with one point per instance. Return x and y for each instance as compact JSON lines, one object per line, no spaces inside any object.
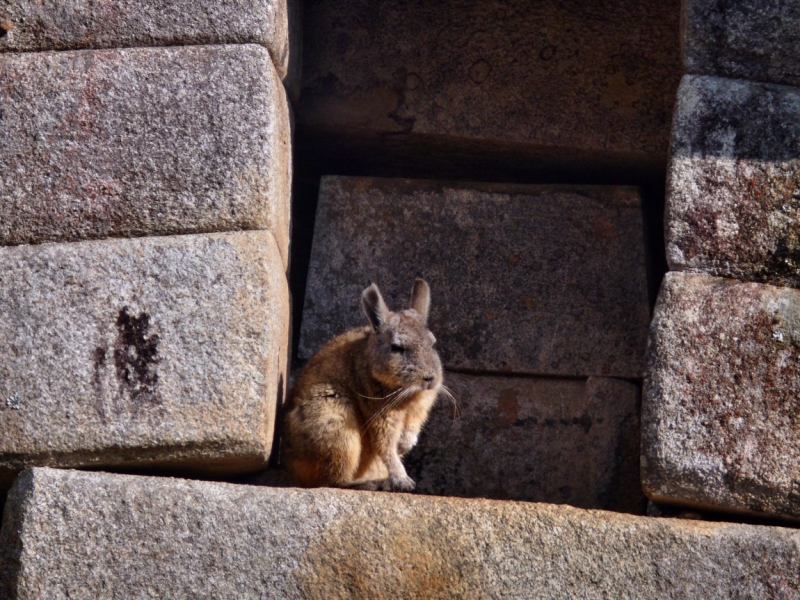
{"x":563,"y":441}
{"x":543,"y":280}
{"x":733,"y":191}
{"x":84,"y":535}
{"x":579,"y":79}
{"x":721,"y":406}
{"x":743,"y":39}
{"x":158,"y":351}
{"x":143,"y":141}
{"x":40,"y":25}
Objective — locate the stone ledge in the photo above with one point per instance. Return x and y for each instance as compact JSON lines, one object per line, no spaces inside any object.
{"x":159,"y":351}
{"x":83,"y":534}
{"x":143,"y":141}
{"x":721,"y":406}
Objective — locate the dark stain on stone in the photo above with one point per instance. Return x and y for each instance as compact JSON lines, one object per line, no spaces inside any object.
{"x":99,"y":360}
{"x":136,"y":356}
{"x":507,"y":407}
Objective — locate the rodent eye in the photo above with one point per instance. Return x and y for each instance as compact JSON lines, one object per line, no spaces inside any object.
{"x":397,"y":348}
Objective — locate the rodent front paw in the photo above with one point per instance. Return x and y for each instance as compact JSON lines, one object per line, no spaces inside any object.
{"x":406,"y":443}
{"x":402,"y":484}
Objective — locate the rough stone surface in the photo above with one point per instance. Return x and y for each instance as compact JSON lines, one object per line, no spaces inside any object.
{"x":525,"y":279}
{"x":565,"y":441}
{"x":733,"y":198}
{"x":745,"y":39}
{"x":80,"y":24}
{"x":168,"y":351}
{"x":84,"y":535}
{"x":721,"y":410}
{"x":570,"y":76}
{"x":142,"y":141}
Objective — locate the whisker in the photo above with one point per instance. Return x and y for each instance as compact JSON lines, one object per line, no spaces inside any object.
{"x":390,"y":394}
{"x":446,"y":391}
{"x":403,"y":392}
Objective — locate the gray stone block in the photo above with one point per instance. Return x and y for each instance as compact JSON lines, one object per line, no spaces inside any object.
{"x":81,"y":24}
{"x":526,"y":279}
{"x":84,"y":535}
{"x":744,"y":39}
{"x":721,"y":409}
{"x":565,"y":441}
{"x":158,"y":351}
{"x":574,"y":78}
{"x":733,"y":193}
{"x":142,"y":141}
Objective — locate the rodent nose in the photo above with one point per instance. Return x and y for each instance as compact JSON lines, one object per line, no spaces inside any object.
{"x":428,"y":378}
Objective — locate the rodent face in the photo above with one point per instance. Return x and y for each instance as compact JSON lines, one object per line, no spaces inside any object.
{"x":403,"y":354}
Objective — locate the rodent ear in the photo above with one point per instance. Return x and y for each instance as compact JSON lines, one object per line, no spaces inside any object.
{"x":374,"y":307}
{"x":421,"y":298}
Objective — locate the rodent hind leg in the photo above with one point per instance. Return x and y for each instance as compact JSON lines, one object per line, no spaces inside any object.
{"x":372,"y":473}
{"x":374,"y":485}
{"x":325,"y":444}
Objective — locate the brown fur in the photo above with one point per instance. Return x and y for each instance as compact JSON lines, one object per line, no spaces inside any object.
{"x":360,"y":402}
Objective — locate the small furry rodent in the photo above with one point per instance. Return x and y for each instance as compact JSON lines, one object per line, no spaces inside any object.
{"x":360,"y":402}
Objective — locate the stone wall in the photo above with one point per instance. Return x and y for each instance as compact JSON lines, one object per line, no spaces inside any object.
{"x":545,"y":281}
{"x":720,"y":411}
{"x":144,"y":234}
{"x":513,"y":154}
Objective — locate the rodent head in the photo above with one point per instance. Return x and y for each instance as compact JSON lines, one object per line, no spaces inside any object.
{"x":401,"y":345}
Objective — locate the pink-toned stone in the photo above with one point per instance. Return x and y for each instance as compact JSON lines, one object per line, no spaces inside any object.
{"x":89,"y":535}
{"x":143,"y":141}
{"x":733,"y":194}
{"x":721,"y":408}
{"x":165,"y":352}
{"x":39,"y":25}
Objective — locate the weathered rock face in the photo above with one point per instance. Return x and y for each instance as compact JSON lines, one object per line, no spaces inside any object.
{"x":733,"y":198}
{"x":143,"y":141}
{"x":78,"y":24}
{"x":529,"y":279}
{"x":567,"y":441}
{"x":721,"y":410}
{"x":574,"y":77}
{"x":166,"y":351}
{"x":79,"y":534}
{"x":745,"y":39}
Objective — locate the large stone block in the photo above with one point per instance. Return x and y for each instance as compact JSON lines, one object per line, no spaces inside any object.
{"x":89,"y":535}
{"x":744,"y":39}
{"x":566,"y":441}
{"x":576,"y":79}
{"x":38,"y":25}
{"x":142,"y":141}
{"x":154,"y":351}
{"x":733,"y":198}
{"x":721,"y":410}
{"x":526,"y":279}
